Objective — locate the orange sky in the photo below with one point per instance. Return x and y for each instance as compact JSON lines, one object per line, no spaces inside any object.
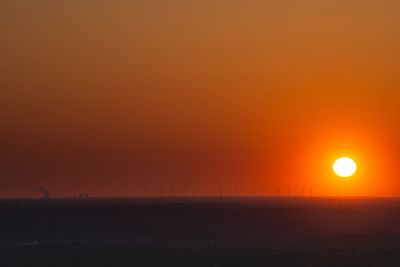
{"x":106,"y":97}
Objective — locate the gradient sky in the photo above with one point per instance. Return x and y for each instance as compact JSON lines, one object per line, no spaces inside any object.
{"x":108,"y":97}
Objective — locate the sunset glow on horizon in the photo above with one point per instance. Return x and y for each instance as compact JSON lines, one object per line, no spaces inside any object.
{"x":128,"y":98}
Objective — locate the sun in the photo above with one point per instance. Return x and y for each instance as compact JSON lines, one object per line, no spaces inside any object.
{"x":344,"y":167}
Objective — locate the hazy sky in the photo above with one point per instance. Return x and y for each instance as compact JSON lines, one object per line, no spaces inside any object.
{"x":106,"y":97}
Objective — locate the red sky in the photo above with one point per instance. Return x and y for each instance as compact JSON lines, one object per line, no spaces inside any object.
{"x":107,"y":97}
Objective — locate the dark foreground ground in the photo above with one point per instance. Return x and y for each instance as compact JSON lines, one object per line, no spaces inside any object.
{"x":200,"y":232}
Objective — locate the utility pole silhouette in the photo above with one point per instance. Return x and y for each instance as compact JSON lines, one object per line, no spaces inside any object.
{"x":45,"y":192}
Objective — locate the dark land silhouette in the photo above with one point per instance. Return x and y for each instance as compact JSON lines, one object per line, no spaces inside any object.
{"x":200,"y":232}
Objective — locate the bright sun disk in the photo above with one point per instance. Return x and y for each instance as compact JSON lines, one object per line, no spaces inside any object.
{"x":344,"y":167}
